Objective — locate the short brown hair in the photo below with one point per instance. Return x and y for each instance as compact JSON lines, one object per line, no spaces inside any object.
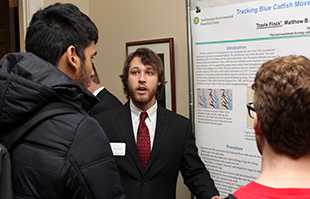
{"x":148,"y":57}
{"x":282,"y":103}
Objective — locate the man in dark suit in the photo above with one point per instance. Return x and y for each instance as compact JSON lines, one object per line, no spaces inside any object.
{"x":151,"y":152}
{"x":107,"y":100}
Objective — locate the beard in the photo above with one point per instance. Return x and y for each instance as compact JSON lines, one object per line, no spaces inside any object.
{"x":82,"y":76}
{"x":142,"y":99}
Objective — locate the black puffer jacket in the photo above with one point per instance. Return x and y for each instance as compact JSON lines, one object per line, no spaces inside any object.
{"x":68,"y":156}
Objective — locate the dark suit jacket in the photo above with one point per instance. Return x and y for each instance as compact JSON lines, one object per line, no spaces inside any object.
{"x":107,"y":101}
{"x":173,"y":150}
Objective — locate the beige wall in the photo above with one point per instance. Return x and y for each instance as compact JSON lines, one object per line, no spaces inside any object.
{"x":123,"y":21}
{"x":27,"y":8}
{"x":82,"y":4}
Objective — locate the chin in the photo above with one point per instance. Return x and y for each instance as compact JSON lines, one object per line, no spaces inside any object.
{"x":141,"y":99}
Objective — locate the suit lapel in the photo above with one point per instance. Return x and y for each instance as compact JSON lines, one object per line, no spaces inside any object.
{"x":125,"y":125}
{"x":160,"y":133}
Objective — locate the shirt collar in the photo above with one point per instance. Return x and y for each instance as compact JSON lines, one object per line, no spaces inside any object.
{"x":135,"y":112}
{"x":98,"y":91}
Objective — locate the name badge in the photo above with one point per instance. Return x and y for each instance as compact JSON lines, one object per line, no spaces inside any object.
{"x":118,"y":148}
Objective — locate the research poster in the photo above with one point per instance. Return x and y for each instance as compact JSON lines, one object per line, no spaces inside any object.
{"x":229,"y":45}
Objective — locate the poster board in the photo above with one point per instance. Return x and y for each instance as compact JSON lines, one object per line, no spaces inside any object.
{"x":229,"y":45}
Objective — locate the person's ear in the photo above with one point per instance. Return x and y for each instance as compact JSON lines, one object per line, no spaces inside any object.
{"x":259,"y":135}
{"x":72,"y":58}
{"x":159,"y":83}
{"x":257,"y":128}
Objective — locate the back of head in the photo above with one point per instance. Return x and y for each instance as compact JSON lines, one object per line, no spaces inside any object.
{"x":282,"y":104}
{"x":54,"y":29}
{"x":148,"y":57}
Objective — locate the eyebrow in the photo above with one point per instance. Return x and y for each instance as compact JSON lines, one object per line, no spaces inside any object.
{"x":134,"y":67}
{"x":150,"y":68}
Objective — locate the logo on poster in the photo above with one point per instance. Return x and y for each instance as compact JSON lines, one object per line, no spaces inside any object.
{"x":196,"y":20}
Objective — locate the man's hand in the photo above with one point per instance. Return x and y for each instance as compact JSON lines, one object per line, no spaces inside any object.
{"x":216,"y":197}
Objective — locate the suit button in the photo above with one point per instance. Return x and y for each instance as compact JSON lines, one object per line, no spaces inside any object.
{"x":143,"y":182}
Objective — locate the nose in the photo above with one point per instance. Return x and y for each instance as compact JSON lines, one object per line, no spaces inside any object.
{"x":92,"y":73}
{"x":142,"y":77}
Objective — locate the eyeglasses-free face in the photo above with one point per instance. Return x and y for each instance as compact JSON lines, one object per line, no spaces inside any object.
{"x":251,"y":109}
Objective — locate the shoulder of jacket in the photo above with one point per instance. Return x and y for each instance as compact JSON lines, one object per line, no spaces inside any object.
{"x":172,"y":114}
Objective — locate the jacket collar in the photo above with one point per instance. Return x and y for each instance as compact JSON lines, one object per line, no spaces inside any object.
{"x":29,"y":82}
{"x":125,"y":124}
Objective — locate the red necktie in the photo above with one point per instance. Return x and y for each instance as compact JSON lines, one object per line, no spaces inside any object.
{"x":143,"y":141}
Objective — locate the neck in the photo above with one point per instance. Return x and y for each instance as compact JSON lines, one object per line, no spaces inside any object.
{"x":144,"y":106}
{"x":281,"y":171}
{"x":93,"y":87}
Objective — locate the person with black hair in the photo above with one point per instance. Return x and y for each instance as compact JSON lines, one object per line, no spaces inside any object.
{"x":66,"y":156}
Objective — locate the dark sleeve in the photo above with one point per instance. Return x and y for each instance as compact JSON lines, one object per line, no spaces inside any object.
{"x":196,"y":177}
{"x":93,"y":168}
{"x":107,"y":102}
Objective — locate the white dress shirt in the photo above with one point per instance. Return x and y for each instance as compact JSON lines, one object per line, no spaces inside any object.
{"x":98,"y":90}
{"x":150,"y":121}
